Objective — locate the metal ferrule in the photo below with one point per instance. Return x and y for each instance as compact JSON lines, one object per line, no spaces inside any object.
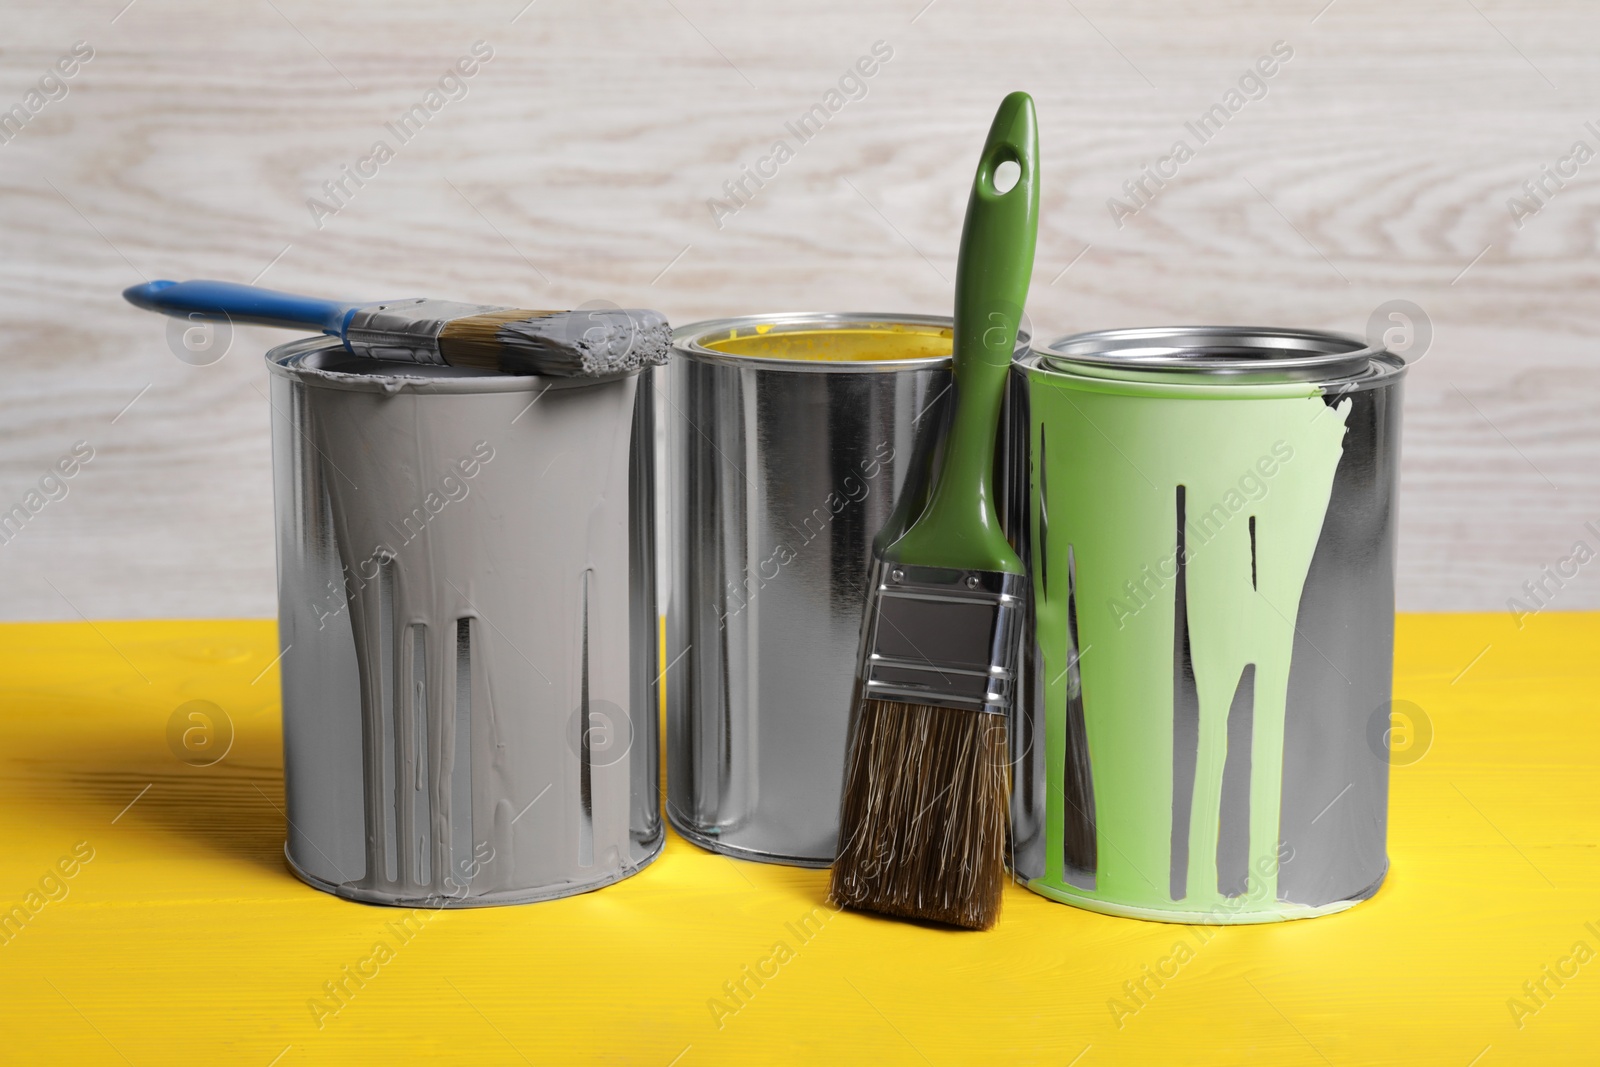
{"x":943,"y":636}
{"x":405,"y":330}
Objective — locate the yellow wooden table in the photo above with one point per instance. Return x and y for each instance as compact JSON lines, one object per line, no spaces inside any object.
{"x":150,"y":918}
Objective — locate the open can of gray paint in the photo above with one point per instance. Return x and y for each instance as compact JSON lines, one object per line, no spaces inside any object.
{"x":467,"y":619}
{"x":795,"y":440}
{"x":1209,"y":520}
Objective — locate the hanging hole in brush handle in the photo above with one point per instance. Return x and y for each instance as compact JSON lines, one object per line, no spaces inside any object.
{"x":998,"y":239}
{"x":1006,"y":175}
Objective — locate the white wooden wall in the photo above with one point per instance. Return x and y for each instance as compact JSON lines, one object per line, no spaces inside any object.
{"x":579,"y":163}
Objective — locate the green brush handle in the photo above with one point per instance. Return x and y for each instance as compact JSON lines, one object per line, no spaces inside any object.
{"x":959,"y":527}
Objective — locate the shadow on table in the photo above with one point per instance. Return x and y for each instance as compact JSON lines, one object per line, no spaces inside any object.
{"x":233,"y":808}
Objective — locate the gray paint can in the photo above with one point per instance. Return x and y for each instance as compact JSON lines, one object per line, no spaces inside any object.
{"x":787,"y":459}
{"x":467,"y":620}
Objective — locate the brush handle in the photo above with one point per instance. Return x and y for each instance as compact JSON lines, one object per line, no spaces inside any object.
{"x":241,"y":303}
{"x":959,"y":527}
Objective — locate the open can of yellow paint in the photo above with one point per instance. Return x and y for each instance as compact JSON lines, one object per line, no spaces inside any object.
{"x":794,"y":441}
{"x":1210,"y":519}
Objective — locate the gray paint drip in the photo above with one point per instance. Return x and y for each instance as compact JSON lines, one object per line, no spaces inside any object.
{"x":469,"y":522}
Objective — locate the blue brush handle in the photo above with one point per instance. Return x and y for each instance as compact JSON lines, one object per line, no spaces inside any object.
{"x":241,"y":303}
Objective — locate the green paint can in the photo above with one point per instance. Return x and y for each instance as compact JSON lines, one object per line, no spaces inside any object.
{"x":1209,"y":517}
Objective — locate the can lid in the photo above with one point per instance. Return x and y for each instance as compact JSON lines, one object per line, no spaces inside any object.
{"x":1221,"y":354}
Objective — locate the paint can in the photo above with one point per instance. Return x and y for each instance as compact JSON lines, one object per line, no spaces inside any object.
{"x":1210,"y":524}
{"x":795,"y":440}
{"x":467,"y":618}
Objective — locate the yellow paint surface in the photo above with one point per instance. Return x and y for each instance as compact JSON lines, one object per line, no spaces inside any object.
{"x":185,"y":940}
{"x":864,"y":345}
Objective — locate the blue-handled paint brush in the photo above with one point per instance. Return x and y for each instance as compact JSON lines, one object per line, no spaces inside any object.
{"x":568,"y":344}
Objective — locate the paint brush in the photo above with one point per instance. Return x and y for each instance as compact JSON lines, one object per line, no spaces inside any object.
{"x":568,"y":344}
{"x":925,"y":806}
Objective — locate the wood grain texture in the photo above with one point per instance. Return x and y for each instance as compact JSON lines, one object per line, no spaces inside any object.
{"x":579,"y":165}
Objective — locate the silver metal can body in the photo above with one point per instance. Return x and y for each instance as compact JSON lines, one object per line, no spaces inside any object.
{"x":1209,"y":516}
{"x":783,"y":471}
{"x":467,"y":622}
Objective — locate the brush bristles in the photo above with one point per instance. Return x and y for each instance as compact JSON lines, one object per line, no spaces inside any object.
{"x":572,"y":344}
{"x":922,"y":827}
{"x":474,"y":341}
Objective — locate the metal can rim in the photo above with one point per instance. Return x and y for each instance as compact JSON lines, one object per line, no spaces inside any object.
{"x":1220,"y":356}
{"x":288,"y":360}
{"x":687,"y":342}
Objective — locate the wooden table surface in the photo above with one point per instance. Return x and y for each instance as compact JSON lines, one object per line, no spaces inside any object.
{"x":180,"y":937}
{"x":1377,"y":166}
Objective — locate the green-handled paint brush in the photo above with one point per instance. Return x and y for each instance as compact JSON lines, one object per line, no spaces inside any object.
{"x":923,"y":817}
{"x":571,"y":344}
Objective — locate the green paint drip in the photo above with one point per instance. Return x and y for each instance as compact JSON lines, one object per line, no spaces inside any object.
{"x":1115,"y":453}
